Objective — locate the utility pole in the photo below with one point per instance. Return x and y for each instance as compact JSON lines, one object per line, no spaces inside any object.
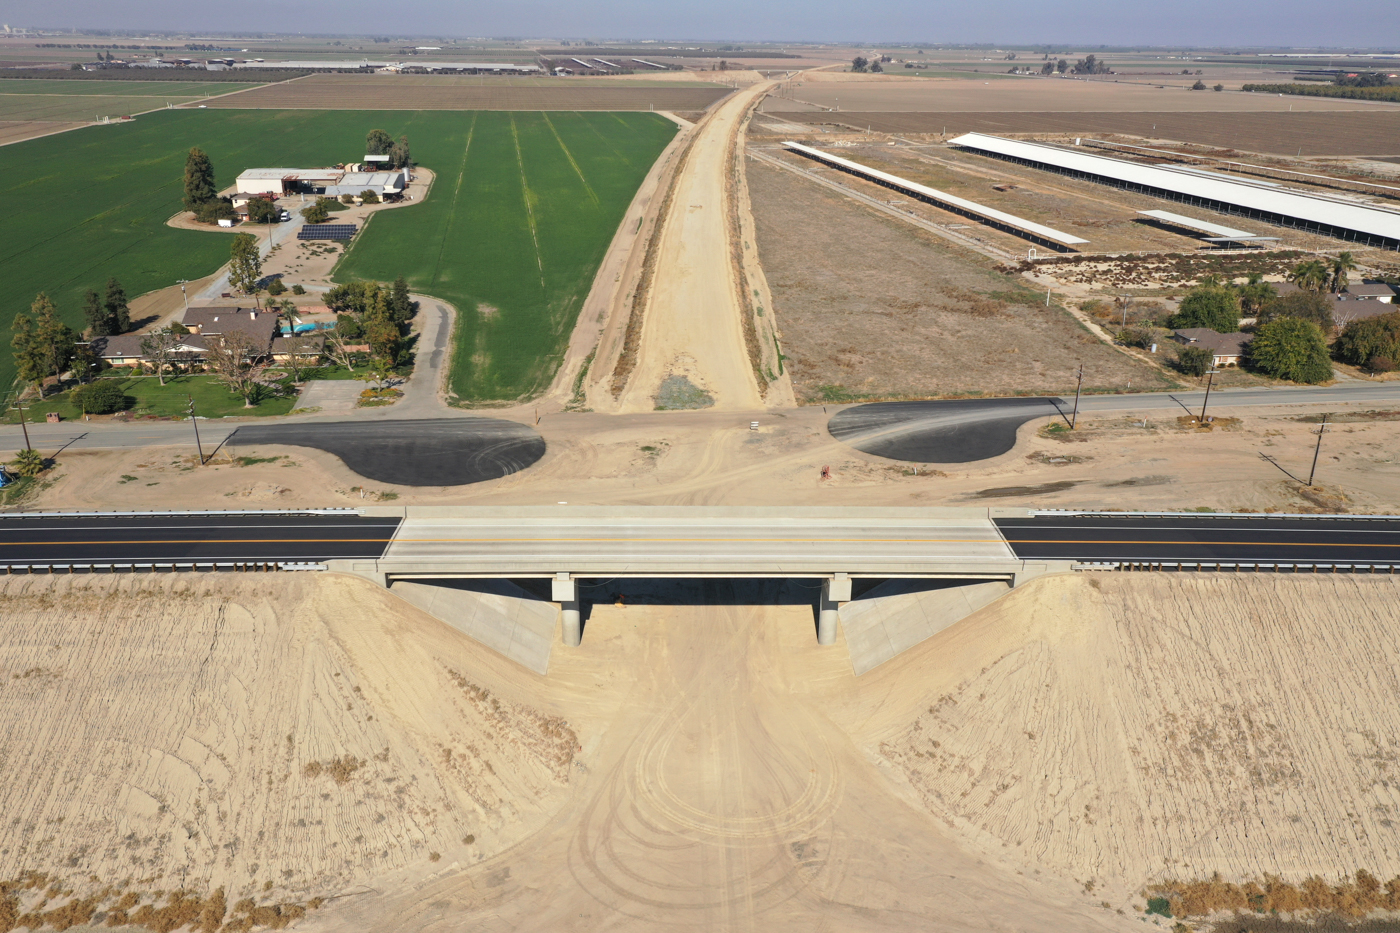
{"x":1209,"y":382}
{"x":1074,"y":418}
{"x":183,"y":294}
{"x":1321,"y":429}
{"x":24,"y":427}
{"x":194,"y":421}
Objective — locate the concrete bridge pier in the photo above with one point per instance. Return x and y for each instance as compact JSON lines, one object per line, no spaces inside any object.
{"x":565,"y":593}
{"x":835,"y":592}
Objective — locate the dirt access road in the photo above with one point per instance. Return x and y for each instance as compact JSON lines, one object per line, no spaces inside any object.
{"x":693,"y":327}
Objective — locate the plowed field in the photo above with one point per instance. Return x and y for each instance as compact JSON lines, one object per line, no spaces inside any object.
{"x":375,"y":92}
{"x":1359,"y":132}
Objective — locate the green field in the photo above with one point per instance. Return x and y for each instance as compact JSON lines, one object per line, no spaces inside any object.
{"x":92,"y":203}
{"x":517,"y":223}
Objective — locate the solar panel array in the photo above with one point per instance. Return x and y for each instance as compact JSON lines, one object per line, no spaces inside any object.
{"x":326,"y":231}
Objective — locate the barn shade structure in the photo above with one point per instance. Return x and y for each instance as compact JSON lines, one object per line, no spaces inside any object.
{"x":1266,"y":201}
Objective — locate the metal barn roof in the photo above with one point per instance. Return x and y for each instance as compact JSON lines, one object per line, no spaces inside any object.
{"x":1276,"y":200}
{"x":942,"y":198}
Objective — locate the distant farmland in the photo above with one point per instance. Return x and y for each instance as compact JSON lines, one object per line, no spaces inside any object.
{"x":92,"y":203}
{"x":522,"y":211}
{"x":388,"y":92}
{"x":1374,"y":132}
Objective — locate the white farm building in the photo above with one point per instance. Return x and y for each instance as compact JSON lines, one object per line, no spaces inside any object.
{"x":354,"y":183}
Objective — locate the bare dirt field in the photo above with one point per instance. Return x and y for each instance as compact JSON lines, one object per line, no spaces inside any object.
{"x":312,"y":745}
{"x":869,"y":307}
{"x":18,"y":131}
{"x":1371,"y":133}
{"x":390,"y":92}
{"x":1048,"y":94}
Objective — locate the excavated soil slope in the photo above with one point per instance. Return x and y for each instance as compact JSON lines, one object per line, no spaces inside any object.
{"x":696,"y":766}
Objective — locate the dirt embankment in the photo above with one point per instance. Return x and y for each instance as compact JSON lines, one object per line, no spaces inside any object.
{"x":280,"y":739}
{"x":1124,"y":729}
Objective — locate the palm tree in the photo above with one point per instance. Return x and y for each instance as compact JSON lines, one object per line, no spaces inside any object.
{"x":1344,"y":263}
{"x":1311,"y":275}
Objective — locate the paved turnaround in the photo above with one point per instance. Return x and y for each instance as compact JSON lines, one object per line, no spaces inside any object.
{"x":1222,"y":538}
{"x":37,"y":538}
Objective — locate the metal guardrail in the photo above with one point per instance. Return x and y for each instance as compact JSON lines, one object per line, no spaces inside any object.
{"x":90,"y":513}
{"x":249,"y":566}
{"x":1210,"y":566}
{"x":1241,"y":516}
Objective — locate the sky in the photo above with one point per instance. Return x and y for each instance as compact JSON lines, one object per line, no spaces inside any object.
{"x":1361,"y":23}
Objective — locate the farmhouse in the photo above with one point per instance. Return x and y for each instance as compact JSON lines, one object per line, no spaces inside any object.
{"x":1228,"y":349}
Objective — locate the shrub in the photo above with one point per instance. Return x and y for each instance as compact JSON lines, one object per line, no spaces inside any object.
{"x":1194,"y":361}
{"x":1381,"y":364}
{"x":1293,"y":349}
{"x":27,"y":463}
{"x":298,"y":290}
{"x":213,"y":211}
{"x":347,"y":199}
{"x":1210,"y":306}
{"x":275,"y":287}
{"x":101,"y":397}
{"x":369,"y":197}
{"x":347,"y":327}
{"x":1365,"y":340}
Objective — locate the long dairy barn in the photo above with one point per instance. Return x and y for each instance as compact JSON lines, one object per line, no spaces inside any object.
{"x":1266,"y":201}
{"x":1030,"y":230}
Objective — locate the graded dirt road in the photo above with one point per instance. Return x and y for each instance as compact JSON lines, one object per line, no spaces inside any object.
{"x":694,"y":326}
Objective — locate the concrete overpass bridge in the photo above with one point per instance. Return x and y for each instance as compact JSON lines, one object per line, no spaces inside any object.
{"x":511,"y":577}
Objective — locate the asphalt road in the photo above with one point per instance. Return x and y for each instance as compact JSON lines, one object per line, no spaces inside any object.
{"x":967,"y":430}
{"x":954,"y":431}
{"x":434,"y":452}
{"x":1230,"y":539}
{"x":189,"y":537}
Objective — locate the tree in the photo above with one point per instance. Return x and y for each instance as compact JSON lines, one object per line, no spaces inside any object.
{"x":1199,"y":85}
{"x":1194,"y":361}
{"x":1312,"y":274}
{"x":1218,"y":87}
{"x":378,"y":142}
{"x":28,"y":462}
{"x":199,"y":180}
{"x":95,"y":313}
{"x":1255,"y":294}
{"x":118,"y":312}
{"x":400,"y":304}
{"x":875,"y":68}
{"x":213,"y":211}
{"x":1208,"y":306}
{"x":261,"y":211}
{"x":85,"y":361}
{"x":859,"y":63}
{"x":379,"y":374}
{"x":1291,"y":348}
{"x":1375,"y":338}
{"x":43,"y":345}
{"x":1343,"y":263}
{"x":1047,"y":68}
{"x":338,"y":348}
{"x":399,"y":155}
{"x":101,"y":397}
{"x":347,"y":199}
{"x":315,"y":213}
{"x":236,"y":361}
{"x":275,"y":287}
{"x":1306,"y":306}
{"x":159,"y":349}
{"x":1062,"y":66}
{"x":368,"y":196}
{"x":245,"y":264}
